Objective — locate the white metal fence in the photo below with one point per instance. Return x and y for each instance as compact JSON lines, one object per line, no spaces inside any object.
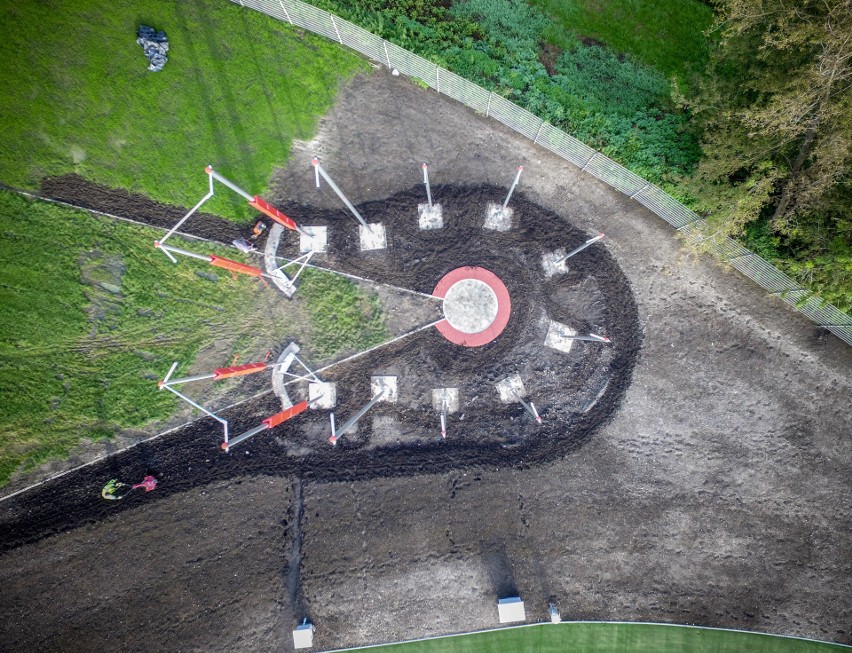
{"x":321,"y":22}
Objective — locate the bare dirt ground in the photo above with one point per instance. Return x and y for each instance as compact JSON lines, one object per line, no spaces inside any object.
{"x":718,"y":493}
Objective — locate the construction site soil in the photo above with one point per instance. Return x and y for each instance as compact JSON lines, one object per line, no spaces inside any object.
{"x":715,"y":491}
{"x":574,"y":391}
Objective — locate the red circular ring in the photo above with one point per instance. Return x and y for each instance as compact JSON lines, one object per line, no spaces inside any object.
{"x":504,"y":306}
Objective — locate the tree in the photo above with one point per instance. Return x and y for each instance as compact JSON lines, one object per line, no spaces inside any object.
{"x":776,"y":111}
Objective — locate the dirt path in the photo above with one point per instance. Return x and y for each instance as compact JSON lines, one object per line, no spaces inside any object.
{"x":717,"y":494}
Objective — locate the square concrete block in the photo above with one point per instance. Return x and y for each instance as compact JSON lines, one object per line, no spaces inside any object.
{"x":559,"y":336}
{"x":552,"y":264}
{"x":386,"y":383}
{"x":430,"y":217}
{"x":315,"y":239}
{"x":498,"y":218}
{"x":450,"y":395}
{"x":372,"y":236}
{"x":303,"y":636}
{"x":511,"y":610}
{"x":511,"y":389}
{"x":325,"y":395}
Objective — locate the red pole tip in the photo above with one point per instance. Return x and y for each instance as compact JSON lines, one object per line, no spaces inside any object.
{"x":424,"y":166}
{"x":208,"y":169}
{"x":314,"y":161}
{"x":520,"y":168}
{"x":333,"y":439}
{"x":224,"y":446}
{"x":156,"y":243}
{"x":538,"y":419}
{"x":160,"y":384}
{"x":607,"y":340}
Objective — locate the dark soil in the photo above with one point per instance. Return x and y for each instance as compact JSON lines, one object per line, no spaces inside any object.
{"x":79,"y":191}
{"x":573,"y":392}
{"x":715,"y":491}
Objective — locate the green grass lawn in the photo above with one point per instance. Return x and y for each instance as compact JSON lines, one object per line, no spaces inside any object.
{"x":93,"y":315}
{"x":666,"y":35}
{"x":238,"y":88}
{"x":612,"y":638}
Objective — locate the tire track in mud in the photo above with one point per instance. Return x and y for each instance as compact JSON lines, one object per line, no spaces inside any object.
{"x":578,"y":395}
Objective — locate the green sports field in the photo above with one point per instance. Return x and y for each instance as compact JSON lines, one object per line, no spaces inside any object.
{"x":612,"y":638}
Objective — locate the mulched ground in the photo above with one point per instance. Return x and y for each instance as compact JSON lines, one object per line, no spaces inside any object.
{"x":574,"y":392}
{"x":77,"y":190}
{"x":717,"y":494}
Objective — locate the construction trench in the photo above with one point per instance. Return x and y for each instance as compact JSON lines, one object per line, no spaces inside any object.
{"x":708,"y":483}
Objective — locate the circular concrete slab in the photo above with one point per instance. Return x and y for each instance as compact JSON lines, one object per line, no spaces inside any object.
{"x":470,"y":306}
{"x":476,"y":306}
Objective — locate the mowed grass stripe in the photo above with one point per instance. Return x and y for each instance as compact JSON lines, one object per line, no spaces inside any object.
{"x":612,"y":638}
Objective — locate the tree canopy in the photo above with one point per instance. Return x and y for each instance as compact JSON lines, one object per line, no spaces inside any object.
{"x":776,"y":112}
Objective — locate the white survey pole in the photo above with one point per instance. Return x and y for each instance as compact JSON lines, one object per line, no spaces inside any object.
{"x":426,"y":182}
{"x":592,"y":337}
{"x":320,"y":171}
{"x":580,"y":248}
{"x":354,"y":419}
{"x":444,"y":409}
{"x":512,"y":189}
{"x":213,"y":174}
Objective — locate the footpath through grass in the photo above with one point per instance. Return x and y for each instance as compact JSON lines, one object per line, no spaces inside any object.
{"x":613,"y":638}
{"x":93,"y":315}
{"x":238,"y":88}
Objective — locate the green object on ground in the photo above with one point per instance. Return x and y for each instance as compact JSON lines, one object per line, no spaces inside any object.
{"x":613,"y":638}
{"x":115,"y":490}
{"x":237,"y":89}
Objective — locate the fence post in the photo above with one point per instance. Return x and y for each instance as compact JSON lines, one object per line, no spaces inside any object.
{"x":387,"y":56}
{"x":336,"y":31}
{"x":538,"y":133}
{"x":286,"y":13}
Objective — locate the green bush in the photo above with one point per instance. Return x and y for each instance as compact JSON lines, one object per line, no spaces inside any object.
{"x":610,"y":101}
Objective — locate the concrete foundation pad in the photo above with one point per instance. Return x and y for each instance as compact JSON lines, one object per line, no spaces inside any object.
{"x":552,"y":264}
{"x":511,"y":610}
{"x":450,"y":395}
{"x":430,"y":217}
{"x":386,"y":383}
{"x":372,"y":236}
{"x":511,"y":389}
{"x":325,"y":395}
{"x":559,"y":336}
{"x":470,"y":306}
{"x":498,"y":218}
{"x":314,"y":239}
